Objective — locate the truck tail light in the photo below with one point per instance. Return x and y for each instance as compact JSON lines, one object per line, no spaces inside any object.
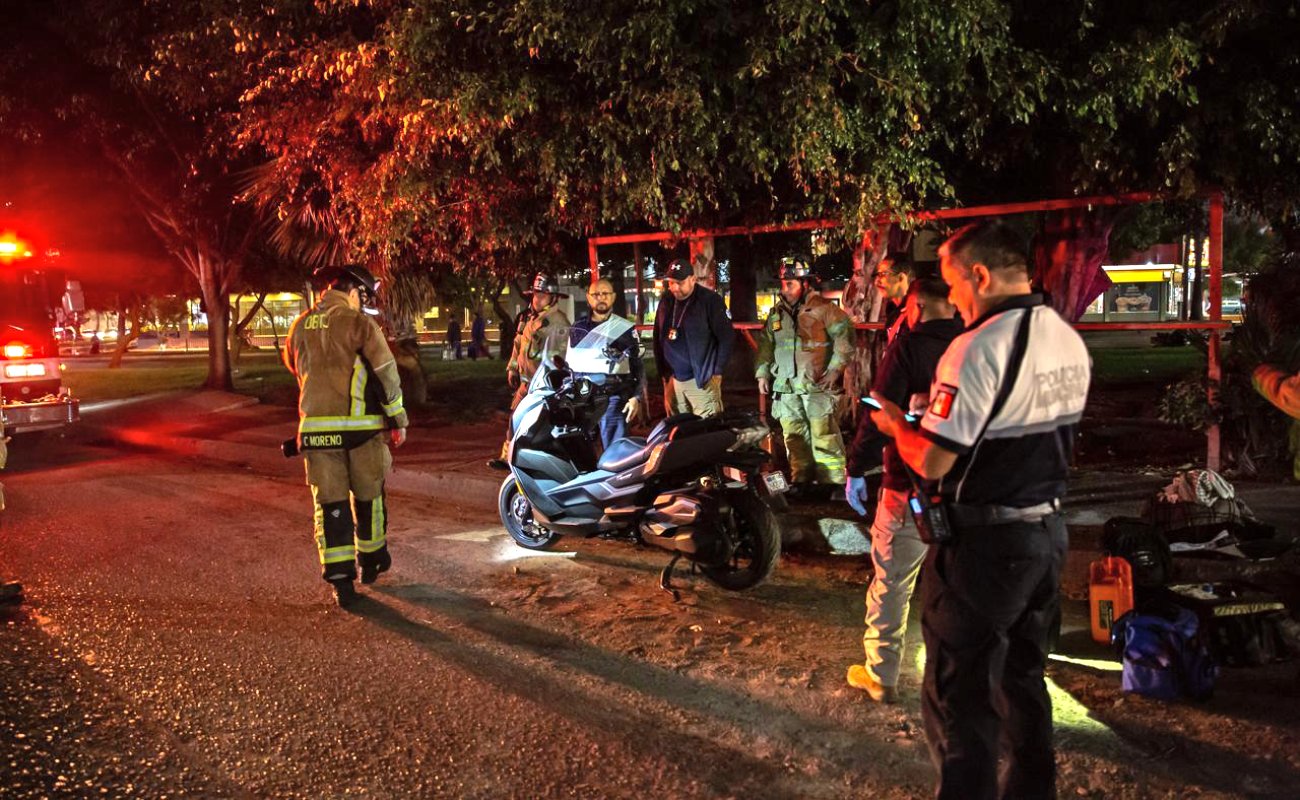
{"x":36,"y":370}
{"x":18,"y":350}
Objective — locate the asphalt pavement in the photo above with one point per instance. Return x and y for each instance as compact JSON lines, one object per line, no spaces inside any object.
{"x":178,"y":640}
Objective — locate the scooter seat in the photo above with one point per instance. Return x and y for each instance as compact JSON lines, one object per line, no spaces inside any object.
{"x":623,"y":453}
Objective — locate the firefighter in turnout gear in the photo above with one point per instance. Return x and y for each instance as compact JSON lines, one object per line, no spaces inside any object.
{"x":805,"y":345}
{"x":543,"y":331}
{"x":349,"y":394}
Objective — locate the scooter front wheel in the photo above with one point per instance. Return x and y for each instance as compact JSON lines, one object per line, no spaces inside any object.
{"x":758,"y":546}
{"x":517,"y":515}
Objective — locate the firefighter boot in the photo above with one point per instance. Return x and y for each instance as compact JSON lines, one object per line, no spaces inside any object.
{"x":372,"y":537}
{"x":371,"y":568}
{"x":344,"y":592}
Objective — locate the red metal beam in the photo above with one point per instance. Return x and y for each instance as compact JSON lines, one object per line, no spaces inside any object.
{"x":1213,"y":366}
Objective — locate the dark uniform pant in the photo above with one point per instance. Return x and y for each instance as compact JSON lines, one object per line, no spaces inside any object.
{"x":351,"y":520}
{"x":989,"y":601}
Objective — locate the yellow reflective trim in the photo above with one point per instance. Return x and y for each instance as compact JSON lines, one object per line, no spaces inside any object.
{"x":394,"y":408}
{"x":371,"y":422}
{"x":359,"y":377}
{"x":335,"y":555}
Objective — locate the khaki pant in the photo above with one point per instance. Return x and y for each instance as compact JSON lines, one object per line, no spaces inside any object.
{"x":812,"y":436}
{"x":897,"y":553}
{"x":346,"y":531}
{"x":681,"y":397}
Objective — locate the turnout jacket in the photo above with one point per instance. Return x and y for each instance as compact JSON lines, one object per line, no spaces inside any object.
{"x":539,"y":334}
{"x":348,"y":387}
{"x":801,"y":344}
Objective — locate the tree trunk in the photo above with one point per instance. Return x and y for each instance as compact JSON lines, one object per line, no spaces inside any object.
{"x":124,"y":338}
{"x":1068,"y":254}
{"x":236,"y":337}
{"x":218,"y":304}
{"x":505,"y":321}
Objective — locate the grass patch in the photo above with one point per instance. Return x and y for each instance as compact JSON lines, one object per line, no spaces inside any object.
{"x":1127,"y":365}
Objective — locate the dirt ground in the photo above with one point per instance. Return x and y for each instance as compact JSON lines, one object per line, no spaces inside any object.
{"x":789,"y":643}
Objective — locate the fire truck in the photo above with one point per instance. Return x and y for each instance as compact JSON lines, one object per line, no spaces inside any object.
{"x":34,"y":297}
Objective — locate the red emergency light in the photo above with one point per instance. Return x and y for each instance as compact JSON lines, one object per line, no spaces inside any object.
{"x":18,"y":350}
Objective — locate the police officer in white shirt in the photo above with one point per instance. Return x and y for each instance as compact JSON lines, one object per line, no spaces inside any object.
{"x":997,"y":438}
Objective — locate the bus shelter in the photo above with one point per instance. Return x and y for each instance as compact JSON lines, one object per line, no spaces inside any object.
{"x":1213,"y":326}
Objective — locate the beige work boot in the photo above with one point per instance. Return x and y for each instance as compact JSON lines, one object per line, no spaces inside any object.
{"x":861,"y":678}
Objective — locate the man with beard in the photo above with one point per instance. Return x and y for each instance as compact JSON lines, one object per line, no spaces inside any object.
{"x":612,"y":331}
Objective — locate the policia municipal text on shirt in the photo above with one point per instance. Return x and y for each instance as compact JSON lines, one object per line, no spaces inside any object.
{"x":349,"y":394}
{"x":997,"y":436}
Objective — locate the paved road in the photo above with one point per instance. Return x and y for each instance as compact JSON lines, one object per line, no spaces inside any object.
{"x":178,"y":640}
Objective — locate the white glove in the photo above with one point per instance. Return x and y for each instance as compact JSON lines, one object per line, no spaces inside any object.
{"x":632,"y":408}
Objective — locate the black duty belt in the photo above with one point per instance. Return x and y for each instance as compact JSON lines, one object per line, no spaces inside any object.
{"x":971,"y":516}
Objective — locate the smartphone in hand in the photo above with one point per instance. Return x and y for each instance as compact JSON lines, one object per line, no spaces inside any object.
{"x":871,"y":402}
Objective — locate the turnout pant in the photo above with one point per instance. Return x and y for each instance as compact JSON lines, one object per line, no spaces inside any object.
{"x":351,"y":519}
{"x":989,"y":601}
{"x":812,"y":436}
{"x":688,"y":396}
{"x":897,"y":553}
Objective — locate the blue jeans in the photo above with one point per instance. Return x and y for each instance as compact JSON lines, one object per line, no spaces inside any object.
{"x":613,"y":425}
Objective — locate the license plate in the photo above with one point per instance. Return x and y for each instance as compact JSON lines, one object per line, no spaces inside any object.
{"x":775,"y":482}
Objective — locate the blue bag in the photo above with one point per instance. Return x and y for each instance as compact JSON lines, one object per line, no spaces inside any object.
{"x":1164,"y":657}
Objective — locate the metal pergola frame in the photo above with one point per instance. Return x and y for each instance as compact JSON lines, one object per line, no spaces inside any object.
{"x":1214,"y":325}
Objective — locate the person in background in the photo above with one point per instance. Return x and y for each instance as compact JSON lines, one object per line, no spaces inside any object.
{"x":453,"y":335}
{"x":478,"y":336}
{"x":692,"y":342}
{"x":805,"y":344}
{"x":905,"y":372}
{"x":620,"y":409}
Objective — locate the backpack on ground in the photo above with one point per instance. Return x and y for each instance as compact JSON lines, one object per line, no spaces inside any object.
{"x":1164,"y":656}
{"x":1141,"y":545}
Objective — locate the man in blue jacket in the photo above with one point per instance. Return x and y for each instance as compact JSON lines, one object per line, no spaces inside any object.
{"x":692,"y":341}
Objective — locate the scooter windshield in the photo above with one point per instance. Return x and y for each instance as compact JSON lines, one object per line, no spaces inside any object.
{"x":597,"y":354}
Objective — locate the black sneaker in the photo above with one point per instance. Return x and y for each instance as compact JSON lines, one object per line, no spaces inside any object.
{"x":344,"y":592}
{"x":370,"y":570}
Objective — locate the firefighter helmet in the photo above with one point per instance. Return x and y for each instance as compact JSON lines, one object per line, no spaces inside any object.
{"x":543,"y":283}
{"x":352,"y":274}
{"x":795,"y":268}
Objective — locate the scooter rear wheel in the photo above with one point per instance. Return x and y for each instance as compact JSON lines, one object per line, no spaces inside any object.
{"x":517,"y":515}
{"x":759,"y":546}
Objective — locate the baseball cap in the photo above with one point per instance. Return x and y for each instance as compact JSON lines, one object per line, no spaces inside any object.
{"x":679,"y":270}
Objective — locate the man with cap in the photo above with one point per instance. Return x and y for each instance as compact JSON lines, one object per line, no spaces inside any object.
{"x":542,"y":332}
{"x":692,"y":342}
{"x":805,"y":344}
{"x":349,"y":394}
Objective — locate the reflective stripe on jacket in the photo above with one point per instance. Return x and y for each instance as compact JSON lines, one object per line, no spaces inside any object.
{"x":347,"y":378}
{"x":800,"y":345}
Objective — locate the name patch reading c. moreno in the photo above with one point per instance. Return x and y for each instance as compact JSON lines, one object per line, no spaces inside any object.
{"x":941,"y":406}
{"x":322,"y":440}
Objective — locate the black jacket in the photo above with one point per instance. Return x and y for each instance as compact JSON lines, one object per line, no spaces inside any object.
{"x":707,"y":328}
{"x":907,"y":368}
